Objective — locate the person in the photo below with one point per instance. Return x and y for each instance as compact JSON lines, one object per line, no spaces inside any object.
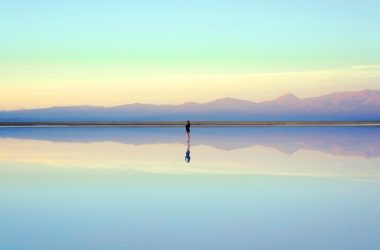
{"x":188,"y":130}
{"x":187,"y":156}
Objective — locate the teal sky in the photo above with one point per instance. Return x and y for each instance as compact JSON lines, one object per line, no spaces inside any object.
{"x":266,"y":33}
{"x":121,"y":39}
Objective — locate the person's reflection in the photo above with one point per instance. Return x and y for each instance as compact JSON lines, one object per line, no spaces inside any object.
{"x":187,"y":156}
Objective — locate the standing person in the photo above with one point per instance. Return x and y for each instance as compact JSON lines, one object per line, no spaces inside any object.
{"x":188,"y":130}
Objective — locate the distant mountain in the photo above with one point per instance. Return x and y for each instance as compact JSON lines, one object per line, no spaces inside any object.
{"x":338,"y":106}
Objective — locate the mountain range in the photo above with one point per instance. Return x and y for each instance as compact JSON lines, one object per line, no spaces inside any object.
{"x":361,"y":105}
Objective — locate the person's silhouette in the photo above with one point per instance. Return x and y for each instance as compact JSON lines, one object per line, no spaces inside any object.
{"x":187,"y":156}
{"x":188,"y":130}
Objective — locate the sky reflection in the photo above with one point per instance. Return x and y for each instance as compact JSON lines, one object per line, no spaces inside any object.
{"x":130,"y":188}
{"x":348,"y":152}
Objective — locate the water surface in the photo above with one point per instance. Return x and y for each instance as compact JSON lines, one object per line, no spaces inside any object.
{"x":243,"y":188}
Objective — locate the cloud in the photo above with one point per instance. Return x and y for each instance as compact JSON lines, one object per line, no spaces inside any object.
{"x":367,"y":67}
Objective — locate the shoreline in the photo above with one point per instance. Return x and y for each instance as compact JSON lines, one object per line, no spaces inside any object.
{"x":194,"y":124}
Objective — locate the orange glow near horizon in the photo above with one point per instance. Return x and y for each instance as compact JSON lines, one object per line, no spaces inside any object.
{"x":177,"y":89}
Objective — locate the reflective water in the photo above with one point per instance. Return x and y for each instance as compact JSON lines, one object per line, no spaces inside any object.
{"x":228,"y":188}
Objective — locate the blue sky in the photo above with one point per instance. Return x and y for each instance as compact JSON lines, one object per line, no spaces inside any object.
{"x":55,"y":43}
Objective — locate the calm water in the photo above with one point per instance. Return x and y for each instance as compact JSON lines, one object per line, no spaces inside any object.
{"x":243,"y":188}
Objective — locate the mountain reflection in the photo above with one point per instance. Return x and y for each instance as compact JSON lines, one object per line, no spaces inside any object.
{"x":345,"y":141}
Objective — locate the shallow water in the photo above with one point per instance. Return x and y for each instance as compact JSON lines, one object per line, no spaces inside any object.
{"x":244,"y":188}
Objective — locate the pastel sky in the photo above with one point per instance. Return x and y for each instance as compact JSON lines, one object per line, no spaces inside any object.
{"x":75,"y":52}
